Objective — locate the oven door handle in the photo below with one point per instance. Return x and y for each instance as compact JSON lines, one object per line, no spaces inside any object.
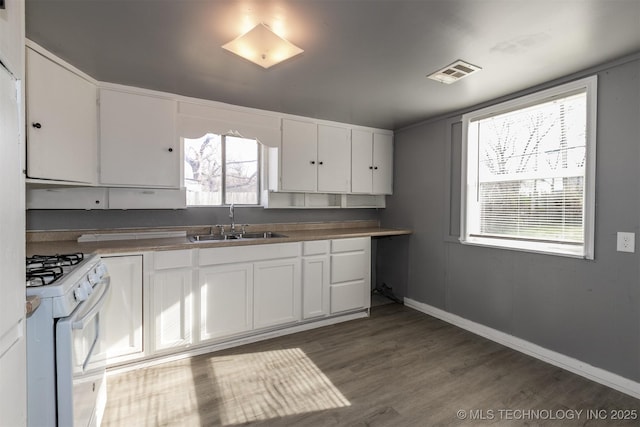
{"x":82,"y":322}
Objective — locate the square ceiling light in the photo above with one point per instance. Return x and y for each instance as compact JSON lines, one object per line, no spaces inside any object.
{"x":454,"y":72}
{"x":262,"y":46}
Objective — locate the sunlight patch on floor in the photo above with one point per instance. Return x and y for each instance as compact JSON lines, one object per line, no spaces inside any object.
{"x":272,"y":384}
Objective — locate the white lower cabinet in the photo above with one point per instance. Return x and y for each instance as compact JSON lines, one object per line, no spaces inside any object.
{"x":350,"y":274}
{"x":171,"y":300}
{"x":247,"y":288}
{"x":226,"y":300}
{"x":203,"y":296}
{"x":276,"y":289}
{"x":122,"y":330}
{"x":315,"y":279}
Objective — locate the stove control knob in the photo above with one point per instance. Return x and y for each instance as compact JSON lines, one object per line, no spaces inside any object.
{"x":94,"y":277}
{"x":80,"y":293}
{"x":87,"y":287}
{"x":101,"y":269}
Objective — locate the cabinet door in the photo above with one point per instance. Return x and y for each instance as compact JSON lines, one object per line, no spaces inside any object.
{"x":138,"y":143}
{"x":382,"y":164}
{"x":315,"y":286}
{"x":122,"y":328}
{"x":334,"y":159}
{"x":277,"y":298}
{"x":226,"y":300}
{"x":299,"y":156}
{"x":361,"y":161}
{"x":61,"y":123}
{"x":171,"y":308}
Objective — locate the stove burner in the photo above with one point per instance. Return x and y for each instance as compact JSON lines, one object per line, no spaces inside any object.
{"x":46,"y":269}
{"x":45,"y":261}
{"x":43,"y":276}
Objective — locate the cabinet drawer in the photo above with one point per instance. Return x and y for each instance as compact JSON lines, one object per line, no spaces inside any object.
{"x":347,"y":296}
{"x":229,"y":255}
{"x":350,"y":245}
{"x":172,"y":259}
{"x":348,"y":267}
{"x":315,"y":247}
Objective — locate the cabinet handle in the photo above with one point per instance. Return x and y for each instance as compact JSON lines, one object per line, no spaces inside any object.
{"x":320,"y":163}
{"x":370,"y":167}
{"x":36,"y":125}
{"x":313,"y":162}
{"x":375,"y":167}
{"x":171,"y":150}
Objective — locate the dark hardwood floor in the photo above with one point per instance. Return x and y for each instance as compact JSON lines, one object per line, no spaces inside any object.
{"x":397,"y":368}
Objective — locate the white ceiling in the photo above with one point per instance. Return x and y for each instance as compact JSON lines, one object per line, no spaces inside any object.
{"x":365,"y":61}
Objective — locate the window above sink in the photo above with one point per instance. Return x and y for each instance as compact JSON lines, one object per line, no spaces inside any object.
{"x":221,"y":170}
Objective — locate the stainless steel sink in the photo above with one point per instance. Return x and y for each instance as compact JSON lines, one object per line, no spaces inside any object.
{"x":239,"y":236}
{"x":261,"y":235}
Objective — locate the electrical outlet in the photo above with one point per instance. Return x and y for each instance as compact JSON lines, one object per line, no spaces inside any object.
{"x":626,"y":242}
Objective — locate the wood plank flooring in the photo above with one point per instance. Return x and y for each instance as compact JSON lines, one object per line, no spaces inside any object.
{"x":399,"y":367}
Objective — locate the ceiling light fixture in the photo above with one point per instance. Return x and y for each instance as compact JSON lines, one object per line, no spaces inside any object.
{"x":262,"y":46}
{"x":454,"y":72}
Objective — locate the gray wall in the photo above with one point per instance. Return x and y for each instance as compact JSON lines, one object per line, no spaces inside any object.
{"x":97,"y":219}
{"x":588,"y":310}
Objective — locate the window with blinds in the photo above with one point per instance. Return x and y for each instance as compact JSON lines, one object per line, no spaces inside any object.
{"x":529,"y":172}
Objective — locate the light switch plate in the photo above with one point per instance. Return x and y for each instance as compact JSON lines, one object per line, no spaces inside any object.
{"x":626,"y":242}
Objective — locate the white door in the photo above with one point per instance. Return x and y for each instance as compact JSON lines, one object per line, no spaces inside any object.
{"x":382,"y":164}
{"x":334,"y":159}
{"x":122,"y":330}
{"x":315,"y":286}
{"x":13,"y":359}
{"x":361,"y":161}
{"x":299,"y":155}
{"x":61,"y":122}
{"x":138,"y":142}
{"x":171,"y":309}
{"x":276,"y":290}
{"x":226,"y":300}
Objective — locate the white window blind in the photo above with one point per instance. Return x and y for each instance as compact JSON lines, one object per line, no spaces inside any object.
{"x":527,"y":173}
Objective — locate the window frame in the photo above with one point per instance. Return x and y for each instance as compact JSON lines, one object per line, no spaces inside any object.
{"x":469,"y":182}
{"x":223,"y":172}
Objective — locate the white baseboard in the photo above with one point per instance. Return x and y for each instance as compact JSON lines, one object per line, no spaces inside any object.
{"x":609,"y":379}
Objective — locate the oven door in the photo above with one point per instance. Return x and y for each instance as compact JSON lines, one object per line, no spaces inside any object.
{"x":81,"y":362}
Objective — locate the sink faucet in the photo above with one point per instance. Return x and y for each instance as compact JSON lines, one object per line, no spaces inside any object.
{"x":232,"y":215}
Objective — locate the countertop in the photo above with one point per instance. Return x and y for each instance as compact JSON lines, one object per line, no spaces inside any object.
{"x":65,"y":241}
{"x":32,"y":303}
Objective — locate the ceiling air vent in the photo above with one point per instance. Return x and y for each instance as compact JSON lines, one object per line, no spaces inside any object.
{"x":454,"y":72}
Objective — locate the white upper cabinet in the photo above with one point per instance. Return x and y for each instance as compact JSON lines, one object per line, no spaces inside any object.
{"x":299,"y":155}
{"x":61,"y":122}
{"x":138,"y":142}
{"x":315,"y":158}
{"x":334,"y":159}
{"x":371,"y":162}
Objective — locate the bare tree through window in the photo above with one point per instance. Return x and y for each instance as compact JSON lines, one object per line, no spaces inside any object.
{"x":220,"y":170}
{"x":531,"y":170}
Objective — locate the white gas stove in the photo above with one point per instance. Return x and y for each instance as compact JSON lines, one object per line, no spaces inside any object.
{"x":65,"y":361}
